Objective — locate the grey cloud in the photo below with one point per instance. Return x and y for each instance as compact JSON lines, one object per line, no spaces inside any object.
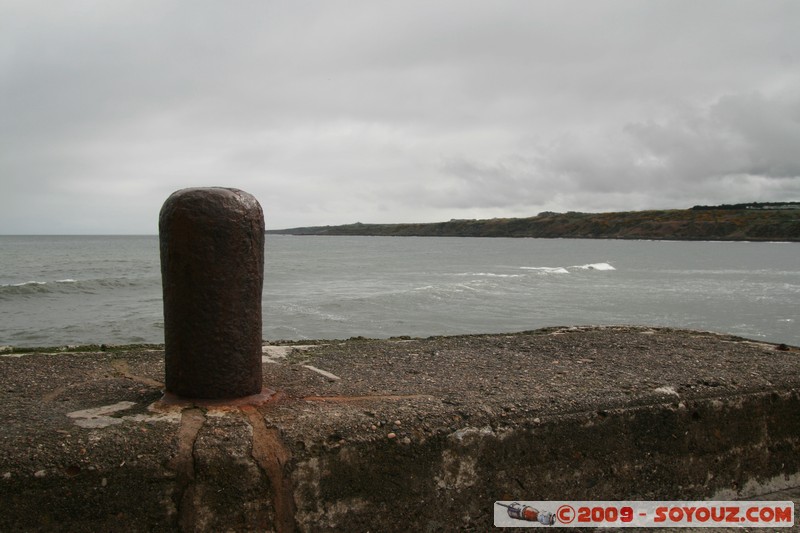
{"x":747,"y":134}
{"x":742,"y":145}
{"x":338,"y":111}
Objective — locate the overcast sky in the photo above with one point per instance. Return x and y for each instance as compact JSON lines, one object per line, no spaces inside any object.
{"x":333,"y":112}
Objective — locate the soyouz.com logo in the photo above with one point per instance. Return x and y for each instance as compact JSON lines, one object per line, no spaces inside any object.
{"x":644,"y":514}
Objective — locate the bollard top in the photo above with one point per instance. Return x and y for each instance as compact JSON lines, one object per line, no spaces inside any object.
{"x":200,"y":198}
{"x":219,"y":191}
{"x":203,"y":204}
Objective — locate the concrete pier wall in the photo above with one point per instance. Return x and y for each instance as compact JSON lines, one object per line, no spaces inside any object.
{"x":397,"y":434}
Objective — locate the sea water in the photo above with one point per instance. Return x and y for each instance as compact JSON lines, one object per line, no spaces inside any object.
{"x":107,"y":289}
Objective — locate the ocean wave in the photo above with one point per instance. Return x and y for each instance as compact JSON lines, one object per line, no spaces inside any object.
{"x":310,"y":312}
{"x":447,"y":291}
{"x":67,"y":286}
{"x":447,"y":288}
{"x":566,"y":270}
{"x":489,"y":275}
{"x":548,"y":270}
{"x":595,"y":266}
{"x":25,"y":288}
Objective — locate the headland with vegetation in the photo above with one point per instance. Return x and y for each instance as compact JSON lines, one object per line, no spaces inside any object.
{"x":774,"y":221}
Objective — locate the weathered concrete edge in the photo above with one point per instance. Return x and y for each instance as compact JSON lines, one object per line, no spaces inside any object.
{"x":236,"y":467}
{"x":232,"y":469}
{"x":730,"y":448}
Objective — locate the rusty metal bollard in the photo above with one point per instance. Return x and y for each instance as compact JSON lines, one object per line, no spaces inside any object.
{"x":212,"y":270}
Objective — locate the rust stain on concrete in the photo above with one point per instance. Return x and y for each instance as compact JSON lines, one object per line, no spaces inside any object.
{"x":192,"y":421}
{"x":272,"y":456}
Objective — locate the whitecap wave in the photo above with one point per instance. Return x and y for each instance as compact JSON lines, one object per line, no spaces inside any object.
{"x":65,"y":286}
{"x":10,"y":290}
{"x":548,"y":270}
{"x":566,"y":270}
{"x":595,"y":266}
{"x":489,"y":275}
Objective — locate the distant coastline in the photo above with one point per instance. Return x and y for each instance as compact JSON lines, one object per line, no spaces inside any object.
{"x":741,"y":222}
